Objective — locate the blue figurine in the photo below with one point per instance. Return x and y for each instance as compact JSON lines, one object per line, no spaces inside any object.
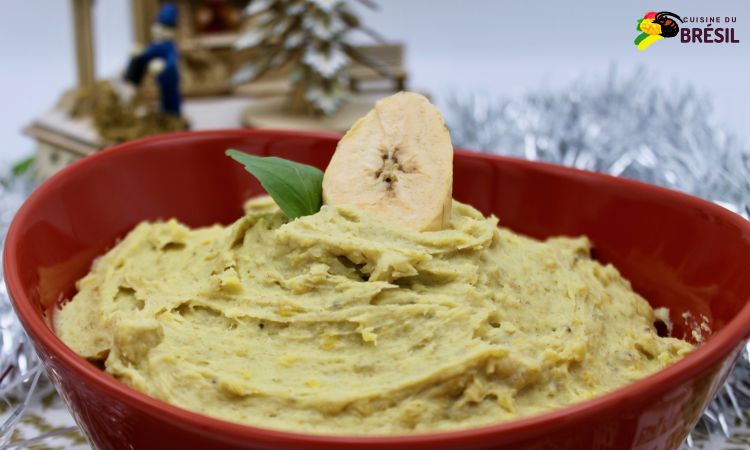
{"x":161,"y":57}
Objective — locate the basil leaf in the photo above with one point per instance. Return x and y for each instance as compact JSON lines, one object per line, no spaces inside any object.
{"x":297,"y":188}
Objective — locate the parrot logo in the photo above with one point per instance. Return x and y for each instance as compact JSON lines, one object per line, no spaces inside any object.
{"x":655,"y":27}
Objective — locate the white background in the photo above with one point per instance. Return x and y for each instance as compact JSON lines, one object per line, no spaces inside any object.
{"x":494,"y":47}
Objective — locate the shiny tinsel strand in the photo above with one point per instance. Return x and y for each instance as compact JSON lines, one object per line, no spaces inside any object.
{"x":19,"y":367}
{"x":616,"y":124}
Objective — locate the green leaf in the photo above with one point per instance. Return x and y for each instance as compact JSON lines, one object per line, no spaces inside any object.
{"x":638,"y":26}
{"x":297,"y":188}
{"x":23,"y":166}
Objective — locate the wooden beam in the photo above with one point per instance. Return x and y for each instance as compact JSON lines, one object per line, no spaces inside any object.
{"x":84,"y":41}
{"x":141,"y":21}
{"x":59,"y":140}
{"x":185,"y":16}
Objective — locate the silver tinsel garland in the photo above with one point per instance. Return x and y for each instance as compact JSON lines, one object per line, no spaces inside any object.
{"x":622,"y":125}
{"x":19,"y":367}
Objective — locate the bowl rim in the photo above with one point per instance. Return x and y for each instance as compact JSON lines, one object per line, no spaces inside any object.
{"x":716,"y":348}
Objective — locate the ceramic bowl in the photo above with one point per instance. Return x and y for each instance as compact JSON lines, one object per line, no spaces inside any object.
{"x":678,"y":251}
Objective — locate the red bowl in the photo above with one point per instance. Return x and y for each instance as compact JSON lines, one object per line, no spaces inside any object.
{"x":678,"y":251}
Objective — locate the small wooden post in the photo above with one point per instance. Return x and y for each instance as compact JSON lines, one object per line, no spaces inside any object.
{"x":140,"y":29}
{"x":84,"y":41}
{"x":185,"y":28}
{"x":141,"y":21}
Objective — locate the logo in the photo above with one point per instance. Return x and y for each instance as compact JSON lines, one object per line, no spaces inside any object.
{"x":655,"y":27}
